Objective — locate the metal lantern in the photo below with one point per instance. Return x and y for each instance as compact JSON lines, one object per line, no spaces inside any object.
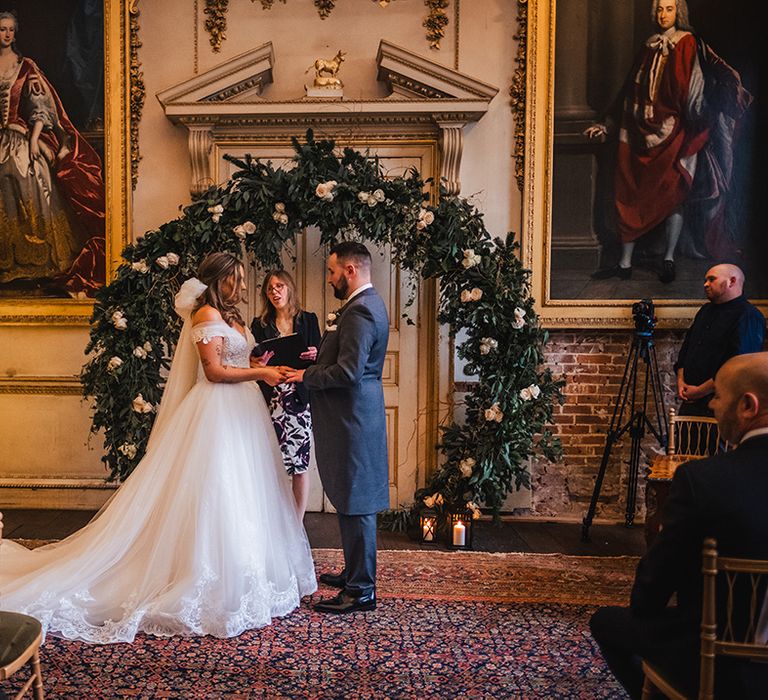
{"x":428,"y":521}
{"x":460,"y":529}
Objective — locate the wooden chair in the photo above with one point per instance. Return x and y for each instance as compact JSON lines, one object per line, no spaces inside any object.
{"x":745,"y":593}
{"x":20,"y":639}
{"x":690,"y":437}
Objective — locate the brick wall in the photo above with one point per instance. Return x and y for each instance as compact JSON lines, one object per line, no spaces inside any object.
{"x":592,"y":364}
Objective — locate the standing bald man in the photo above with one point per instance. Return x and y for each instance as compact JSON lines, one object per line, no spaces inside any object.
{"x":725,"y":327}
{"x":722,"y":497}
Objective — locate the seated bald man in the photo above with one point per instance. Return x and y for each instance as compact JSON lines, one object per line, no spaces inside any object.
{"x":722,"y":497}
{"x":725,"y":327}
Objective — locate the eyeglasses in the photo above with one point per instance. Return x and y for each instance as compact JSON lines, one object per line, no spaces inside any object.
{"x":275,"y":288}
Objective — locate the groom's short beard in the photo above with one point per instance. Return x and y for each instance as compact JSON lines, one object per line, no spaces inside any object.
{"x":340,"y":292}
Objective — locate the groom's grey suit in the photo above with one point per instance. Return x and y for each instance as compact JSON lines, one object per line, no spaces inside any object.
{"x":349,"y":424}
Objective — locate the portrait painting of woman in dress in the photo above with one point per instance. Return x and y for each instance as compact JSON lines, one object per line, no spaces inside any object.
{"x":52,"y":200}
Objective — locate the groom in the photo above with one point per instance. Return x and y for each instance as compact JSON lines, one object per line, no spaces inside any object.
{"x":348,"y":421}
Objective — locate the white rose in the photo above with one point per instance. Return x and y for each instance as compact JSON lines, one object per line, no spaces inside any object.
{"x":114,"y":363}
{"x":379,"y":195}
{"x":119,"y":321}
{"x":283,"y":219}
{"x":372,"y":201}
{"x":494,"y":413}
{"x":216,"y":211}
{"x":363,"y":196}
{"x":173,"y":258}
{"x":492,"y":343}
{"x":535,"y":391}
{"x":147,"y":346}
{"x":466,"y":466}
{"x":476,"y":294}
{"x":421,"y":225}
{"x":140,"y":405}
{"x":466,"y":295}
{"x":519,"y":321}
{"x":276,"y":216}
{"x":163,"y":262}
{"x":140,"y":266}
{"x":526,"y":394}
{"x":470,"y":259}
{"x":250,"y":228}
{"x":128,"y":449}
{"x":279,"y":206}
{"x":484,"y":348}
{"x":140,"y":352}
{"x":239,"y":231}
{"x":427,"y":216}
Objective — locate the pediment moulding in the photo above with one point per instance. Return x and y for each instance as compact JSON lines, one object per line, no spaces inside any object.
{"x":426,"y":99}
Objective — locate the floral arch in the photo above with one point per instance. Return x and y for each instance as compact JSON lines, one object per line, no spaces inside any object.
{"x":484,"y":291}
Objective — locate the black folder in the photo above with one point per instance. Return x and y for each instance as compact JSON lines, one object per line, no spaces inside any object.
{"x":287,"y":349}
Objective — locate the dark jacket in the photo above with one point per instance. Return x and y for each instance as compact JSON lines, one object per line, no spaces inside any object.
{"x":721,"y":497}
{"x":305,"y":324}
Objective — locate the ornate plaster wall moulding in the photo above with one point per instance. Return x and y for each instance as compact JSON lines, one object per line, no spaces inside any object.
{"x":226,"y":105}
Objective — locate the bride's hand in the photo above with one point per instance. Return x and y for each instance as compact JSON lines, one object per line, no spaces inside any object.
{"x":273,"y":375}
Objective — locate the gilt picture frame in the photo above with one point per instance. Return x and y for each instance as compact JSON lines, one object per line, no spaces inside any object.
{"x":112,"y":143}
{"x":571,"y":78}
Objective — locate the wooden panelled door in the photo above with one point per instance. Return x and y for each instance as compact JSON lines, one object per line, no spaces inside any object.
{"x":409,"y":391}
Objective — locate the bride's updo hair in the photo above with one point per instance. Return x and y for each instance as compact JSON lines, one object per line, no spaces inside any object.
{"x":215,"y":270}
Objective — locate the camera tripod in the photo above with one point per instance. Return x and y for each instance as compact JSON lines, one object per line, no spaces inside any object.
{"x":637,"y":421}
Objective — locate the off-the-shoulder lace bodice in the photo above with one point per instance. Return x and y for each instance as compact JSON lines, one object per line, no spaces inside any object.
{"x":236,"y":349}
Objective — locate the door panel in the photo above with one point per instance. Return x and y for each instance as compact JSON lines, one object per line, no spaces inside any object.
{"x":407,"y":394}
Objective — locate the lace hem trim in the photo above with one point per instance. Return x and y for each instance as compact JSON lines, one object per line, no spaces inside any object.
{"x":198,"y":614}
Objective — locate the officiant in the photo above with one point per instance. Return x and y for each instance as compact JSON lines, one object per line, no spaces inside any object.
{"x":281,"y":316}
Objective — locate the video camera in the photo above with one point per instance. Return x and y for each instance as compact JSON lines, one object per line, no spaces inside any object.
{"x":644,"y":315}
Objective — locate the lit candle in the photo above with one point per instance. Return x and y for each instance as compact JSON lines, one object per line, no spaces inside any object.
{"x":459,"y":534}
{"x":428,"y":530}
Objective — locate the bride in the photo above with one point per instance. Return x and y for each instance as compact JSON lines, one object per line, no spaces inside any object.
{"x":203,"y":537}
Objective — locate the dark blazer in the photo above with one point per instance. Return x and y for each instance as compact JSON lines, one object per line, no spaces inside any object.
{"x":347,"y":401}
{"x":305,"y":324}
{"x":722,"y":497}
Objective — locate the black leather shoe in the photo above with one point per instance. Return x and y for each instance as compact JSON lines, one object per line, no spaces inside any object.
{"x":623,"y":273}
{"x":334,"y":580}
{"x":667,"y":273}
{"x":345,"y":602}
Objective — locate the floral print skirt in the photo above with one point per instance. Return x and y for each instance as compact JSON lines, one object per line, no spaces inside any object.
{"x":293,"y":425}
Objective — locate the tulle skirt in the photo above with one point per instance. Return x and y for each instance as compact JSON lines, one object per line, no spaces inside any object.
{"x":203,"y":537}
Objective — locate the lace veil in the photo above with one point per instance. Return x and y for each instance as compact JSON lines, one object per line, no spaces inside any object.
{"x":184,"y":366}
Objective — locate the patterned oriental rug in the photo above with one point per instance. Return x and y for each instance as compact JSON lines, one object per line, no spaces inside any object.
{"x":448,"y":625}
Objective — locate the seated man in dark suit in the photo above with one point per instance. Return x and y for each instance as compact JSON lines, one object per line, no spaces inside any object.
{"x":721,"y":497}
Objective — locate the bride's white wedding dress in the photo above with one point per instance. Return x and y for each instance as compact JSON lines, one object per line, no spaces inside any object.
{"x":202,"y":538}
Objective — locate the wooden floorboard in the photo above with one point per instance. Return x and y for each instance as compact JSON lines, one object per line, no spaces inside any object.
{"x":322,"y":531}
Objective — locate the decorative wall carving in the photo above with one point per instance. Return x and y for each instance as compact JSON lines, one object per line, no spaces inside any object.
{"x":426,"y":100}
{"x":435,"y":22}
{"x":137,"y":94}
{"x":517,"y":91}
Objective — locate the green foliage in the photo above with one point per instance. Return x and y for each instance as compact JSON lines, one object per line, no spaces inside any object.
{"x":484,"y":292}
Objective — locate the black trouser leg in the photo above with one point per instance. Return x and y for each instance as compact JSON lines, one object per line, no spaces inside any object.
{"x":358,"y":539}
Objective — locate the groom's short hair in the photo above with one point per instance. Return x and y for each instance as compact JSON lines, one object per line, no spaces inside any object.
{"x":352,"y":251}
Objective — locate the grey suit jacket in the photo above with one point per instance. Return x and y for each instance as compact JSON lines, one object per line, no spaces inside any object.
{"x":347,"y":402}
